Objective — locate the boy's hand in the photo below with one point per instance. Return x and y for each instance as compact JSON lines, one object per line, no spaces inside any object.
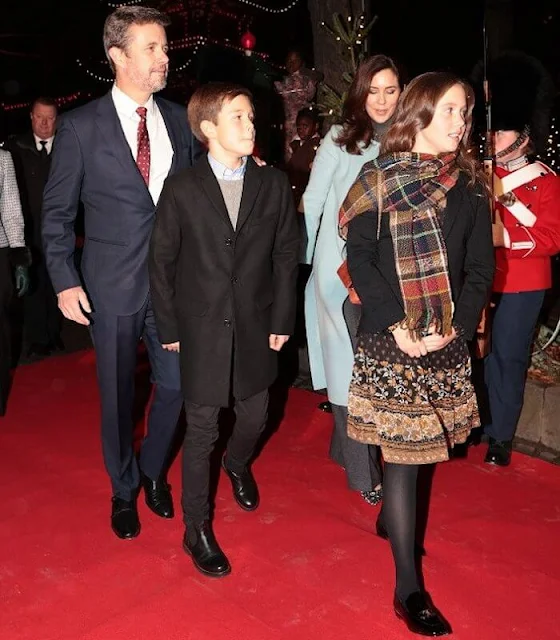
{"x":276,"y":342}
{"x":259,"y":161}
{"x":173,"y":346}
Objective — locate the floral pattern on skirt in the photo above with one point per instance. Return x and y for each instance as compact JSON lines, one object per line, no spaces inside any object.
{"x":415,"y":409}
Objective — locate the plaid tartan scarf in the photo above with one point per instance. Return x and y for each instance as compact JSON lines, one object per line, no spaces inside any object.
{"x":413,"y":189}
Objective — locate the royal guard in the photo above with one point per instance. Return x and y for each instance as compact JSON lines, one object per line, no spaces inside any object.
{"x":526,"y":235}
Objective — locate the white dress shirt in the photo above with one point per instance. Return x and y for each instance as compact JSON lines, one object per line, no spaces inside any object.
{"x":161,"y":151}
{"x":39,"y":146}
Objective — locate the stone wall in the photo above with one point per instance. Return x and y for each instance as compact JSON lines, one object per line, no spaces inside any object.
{"x":538,"y":432}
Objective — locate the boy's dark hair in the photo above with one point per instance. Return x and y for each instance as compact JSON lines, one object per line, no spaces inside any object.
{"x":118,"y":23}
{"x":310,"y":114}
{"x":207,"y":102}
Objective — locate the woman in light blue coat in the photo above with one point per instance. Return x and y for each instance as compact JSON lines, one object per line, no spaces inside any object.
{"x":368,"y":109}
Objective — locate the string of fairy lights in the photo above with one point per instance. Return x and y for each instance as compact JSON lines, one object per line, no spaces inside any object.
{"x":191,"y":42}
{"x":250,"y":3}
{"x":552,"y":154}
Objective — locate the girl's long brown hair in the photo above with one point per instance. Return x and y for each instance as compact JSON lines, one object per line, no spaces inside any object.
{"x":356,"y":124}
{"x":415,"y":110}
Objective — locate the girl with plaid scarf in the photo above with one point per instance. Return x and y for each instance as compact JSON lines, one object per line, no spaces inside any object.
{"x":420,"y":256}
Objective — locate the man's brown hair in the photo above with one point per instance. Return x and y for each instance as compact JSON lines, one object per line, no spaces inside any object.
{"x":118,"y":23}
{"x":207,"y":102}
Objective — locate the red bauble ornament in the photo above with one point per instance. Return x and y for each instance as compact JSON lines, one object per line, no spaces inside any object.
{"x":248,"y":41}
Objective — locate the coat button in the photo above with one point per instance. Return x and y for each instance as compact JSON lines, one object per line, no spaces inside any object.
{"x":227,"y":323}
{"x":228,"y":242}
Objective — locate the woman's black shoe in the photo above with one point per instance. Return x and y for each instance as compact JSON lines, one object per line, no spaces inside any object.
{"x":325,"y":406}
{"x":420,"y":615}
{"x":382,"y":533}
{"x":373,"y":497}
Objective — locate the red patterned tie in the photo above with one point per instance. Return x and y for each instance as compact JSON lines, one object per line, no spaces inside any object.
{"x":143,"y":156}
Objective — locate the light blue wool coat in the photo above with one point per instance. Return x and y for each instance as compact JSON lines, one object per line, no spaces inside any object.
{"x":330,"y":352}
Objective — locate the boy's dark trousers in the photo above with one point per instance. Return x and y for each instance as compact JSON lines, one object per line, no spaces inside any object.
{"x":201,"y":434}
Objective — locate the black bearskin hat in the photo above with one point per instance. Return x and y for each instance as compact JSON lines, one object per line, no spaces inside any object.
{"x":521,"y":94}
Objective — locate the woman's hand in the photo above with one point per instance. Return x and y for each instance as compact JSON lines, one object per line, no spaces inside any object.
{"x":412,"y":348}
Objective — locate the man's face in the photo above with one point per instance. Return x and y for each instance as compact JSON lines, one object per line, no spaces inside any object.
{"x":234,"y":132}
{"x":144,"y":63}
{"x":504,"y":139}
{"x":43,"y":121}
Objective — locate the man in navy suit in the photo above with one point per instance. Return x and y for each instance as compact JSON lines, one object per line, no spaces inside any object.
{"x":114,"y":154}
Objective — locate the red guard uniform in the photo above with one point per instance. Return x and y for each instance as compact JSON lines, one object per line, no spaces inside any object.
{"x":528,"y":203}
{"x":532,"y":224}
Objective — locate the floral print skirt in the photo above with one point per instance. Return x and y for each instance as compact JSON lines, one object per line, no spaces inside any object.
{"x":415,"y":409}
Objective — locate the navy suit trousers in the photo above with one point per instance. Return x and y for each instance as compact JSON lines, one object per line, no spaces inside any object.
{"x":116,"y":339}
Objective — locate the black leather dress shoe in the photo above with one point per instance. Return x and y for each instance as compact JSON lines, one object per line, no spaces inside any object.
{"x":201,"y":544}
{"x":124,"y":518}
{"x":158,"y":496}
{"x":382,"y":533}
{"x":499,"y":453}
{"x":245,"y":490}
{"x":420,"y":615}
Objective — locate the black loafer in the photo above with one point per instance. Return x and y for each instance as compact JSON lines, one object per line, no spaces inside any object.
{"x":420,"y":615}
{"x":201,"y":544}
{"x":325,"y":406}
{"x":245,"y":490}
{"x":499,"y":453}
{"x":124,"y":518}
{"x":158,"y":496}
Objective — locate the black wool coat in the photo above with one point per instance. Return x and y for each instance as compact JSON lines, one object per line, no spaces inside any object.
{"x":221,"y":292}
{"x":467,"y":233}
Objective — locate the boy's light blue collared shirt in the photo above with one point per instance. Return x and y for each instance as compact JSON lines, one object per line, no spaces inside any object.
{"x":225,"y":173}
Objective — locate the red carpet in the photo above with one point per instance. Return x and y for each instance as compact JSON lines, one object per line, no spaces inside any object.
{"x":305,"y":565}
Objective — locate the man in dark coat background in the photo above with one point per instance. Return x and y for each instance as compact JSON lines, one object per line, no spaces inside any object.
{"x":31,"y":151}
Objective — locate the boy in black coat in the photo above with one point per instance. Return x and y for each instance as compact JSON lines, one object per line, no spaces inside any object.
{"x":223,"y":268}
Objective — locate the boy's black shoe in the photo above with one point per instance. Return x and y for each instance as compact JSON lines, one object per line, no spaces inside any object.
{"x":245,"y":490}
{"x":201,"y":544}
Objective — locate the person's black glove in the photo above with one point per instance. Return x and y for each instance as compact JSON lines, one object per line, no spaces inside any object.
{"x":21,"y":274}
{"x":20,"y":258}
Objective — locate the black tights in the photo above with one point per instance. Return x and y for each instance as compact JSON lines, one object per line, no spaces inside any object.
{"x":398,"y":516}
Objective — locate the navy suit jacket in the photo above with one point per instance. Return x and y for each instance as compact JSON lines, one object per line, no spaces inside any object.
{"x":92,"y":162}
